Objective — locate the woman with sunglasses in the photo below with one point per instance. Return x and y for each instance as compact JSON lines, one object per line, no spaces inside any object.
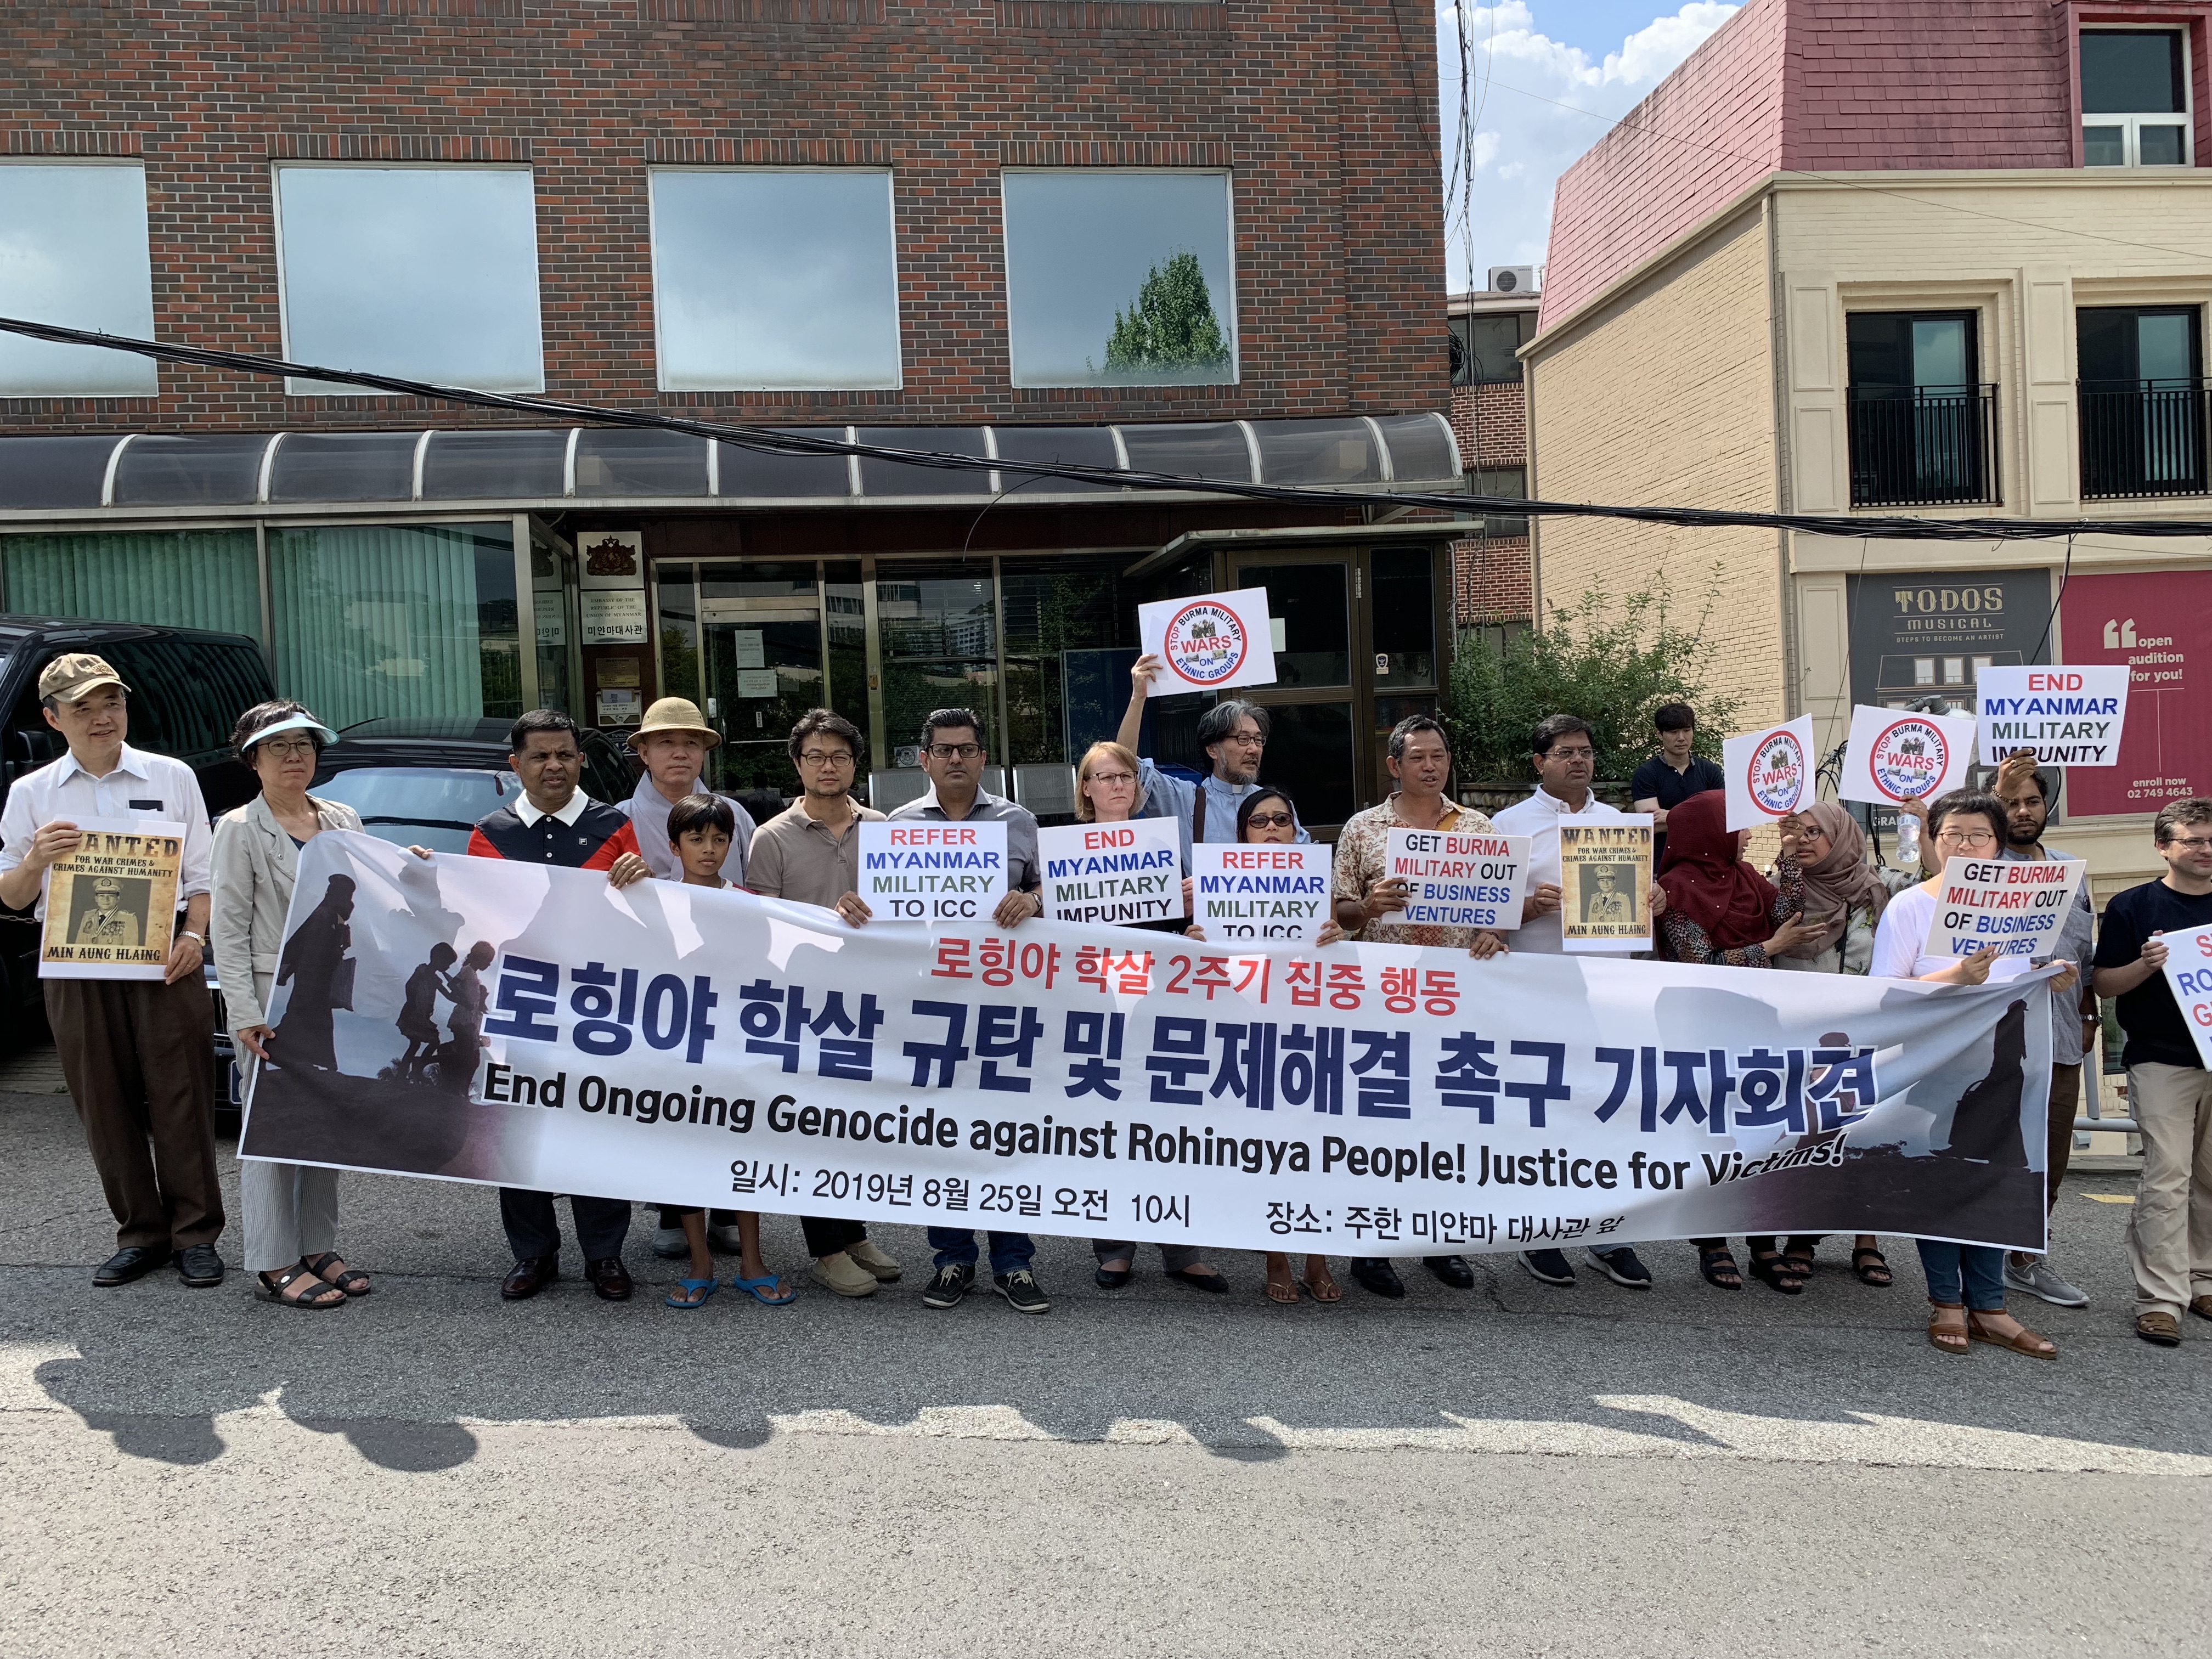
{"x":1966,"y":1282}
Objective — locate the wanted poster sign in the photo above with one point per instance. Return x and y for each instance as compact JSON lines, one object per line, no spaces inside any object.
{"x":2018,"y":905}
{"x":1770,"y":773}
{"x":1211,"y":643}
{"x":1113,"y":873}
{"x":1260,"y":891}
{"x":1896,"y":757}
{"x":2069,"y":716}
{"x":1457,"y":880}
{"x":1605,"y":883}
{"x":111,"y":905}
{"x":914,"y":871}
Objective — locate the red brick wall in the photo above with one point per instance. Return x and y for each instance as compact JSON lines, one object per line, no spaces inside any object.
{"x":1325,"y":110}
{"x":1491,"y":424}
{"x":1493,"y":581}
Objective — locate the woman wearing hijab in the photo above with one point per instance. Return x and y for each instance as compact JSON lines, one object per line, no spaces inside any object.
{"x":1722,"y":912}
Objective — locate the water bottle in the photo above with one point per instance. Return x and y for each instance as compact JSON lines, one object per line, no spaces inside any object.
{"x":1908,"y":840}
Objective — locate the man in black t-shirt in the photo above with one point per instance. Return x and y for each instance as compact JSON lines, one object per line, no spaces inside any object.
{"x":2170,"y":1229}
{"x":1673,"y":774}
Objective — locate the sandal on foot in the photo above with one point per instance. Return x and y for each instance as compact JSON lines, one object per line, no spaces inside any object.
{"x":1774,"y":1271}
{"x":1285,"y":1294}
{"x":1948,"y":1338}
{"x":2024,"y":1340}
{"x":1327,"y":1290}
{"x":351,"y":1280}
{"x":1719,"y":1268}
{"x":701,"y":1289}
{"x":761,"y":1290}
{"x":1872,"y":1266}
{"x":1797,"y":1265}
{"x":296,"y":1287}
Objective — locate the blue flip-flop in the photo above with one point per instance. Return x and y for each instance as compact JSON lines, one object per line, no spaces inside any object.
{"x":705,"y":1288}
{"x":754,"y":1287}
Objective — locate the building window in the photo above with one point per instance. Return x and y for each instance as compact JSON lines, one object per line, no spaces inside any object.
{"x":427,"y":273}
{"x":1508,"y":481}
{"x":177,"y":578}
{"x":2144,"y":400}
{"x":1922,"y":427}
{"x":1483,"y":347}
{"x":774,"y":280}
{"x":73,"y":252}
{"x":2135,"y":98}
{"x":1119,"y":278}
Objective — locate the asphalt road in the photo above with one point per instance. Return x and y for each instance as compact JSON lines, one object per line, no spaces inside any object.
{"x":1513,"y":1470}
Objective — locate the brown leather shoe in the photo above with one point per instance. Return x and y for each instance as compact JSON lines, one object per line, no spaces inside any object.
{"x":608,"y":1277}
{"x":2163,"y":1328}
{"x":530,"y":1275}
{"x":2201,"y":1306}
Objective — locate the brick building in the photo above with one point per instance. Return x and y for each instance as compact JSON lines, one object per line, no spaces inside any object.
{"x":1493,"y":581}
{"x":1864,"y":256}
{"x":1194,"y":238}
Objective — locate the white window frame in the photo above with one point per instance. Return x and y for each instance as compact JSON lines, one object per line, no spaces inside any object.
{"x":136,"y":164}
{"x":2131,"y":125}
{"x":1235,"y":374}
{"x":277,"y":169}
{"x":898,"y":381}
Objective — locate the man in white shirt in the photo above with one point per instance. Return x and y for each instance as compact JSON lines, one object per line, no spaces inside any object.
{"x":1234,"y":735}
{"x":138,"y":1054}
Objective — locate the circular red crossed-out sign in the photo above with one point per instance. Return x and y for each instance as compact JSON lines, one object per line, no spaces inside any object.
{"x":1943,"y":757}
{"x":1751,"y":775}
{"x":1214,"y":607}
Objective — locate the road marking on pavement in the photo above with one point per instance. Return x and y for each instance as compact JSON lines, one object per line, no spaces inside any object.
{"x":2111,"y":1198}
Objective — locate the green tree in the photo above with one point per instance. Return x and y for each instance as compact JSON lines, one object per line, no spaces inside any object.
{"x":1611,"y":662}
{"x":1170,"y":328}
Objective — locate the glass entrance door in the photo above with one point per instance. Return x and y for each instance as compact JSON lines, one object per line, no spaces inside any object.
{"x":760,"y":668}
{"x":1313,"y":743}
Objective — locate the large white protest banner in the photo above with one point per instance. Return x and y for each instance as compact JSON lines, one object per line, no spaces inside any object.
{"x":1895,"y":756}
{"x":2188,"y":973}
{"x":1211,"y":643}
{"x":1115,"y":873}
{"x":1770,"y":773}
{"x":2069,"y":716}
{"x":1261,"y":890}
{"x":2018,"y":905}
{"x":918,"y":870}
{"x":1457,"y":880}
{"x":691,"y":1045}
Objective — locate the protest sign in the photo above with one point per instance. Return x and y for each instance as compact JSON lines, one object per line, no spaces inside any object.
{"x":112,"y":905}
{"x":1898,"y":757}
{"x":2016,"y":904}
{"x":1770,"y":773}
{"x":1210,"y":643}
{"x":2069,"y":716}
{"x":1457,"y":880}
{"x":2188,"y":973}
{"x":690,"y":1045}
{"x":916,"y":870}
{"x":1112,"y":873}
{"x":1260,"y":890}
{"x":1605,"y":883}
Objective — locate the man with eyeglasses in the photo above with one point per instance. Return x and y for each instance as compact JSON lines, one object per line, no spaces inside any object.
{"x":1233,"y":734}
{"x":2170,"y":1228}
{"x":809,"y":853}
{"x":952,"y":755}
{"x":1566,"y":757}
{"x":2027,"y":794}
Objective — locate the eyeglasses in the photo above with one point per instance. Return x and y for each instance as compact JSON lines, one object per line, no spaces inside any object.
{"x":1572,"y":754}
{"x":2193,"y":843}
{"x":1246,"y":739}
{"x":826,"y":758}
{"x":1114,"y":779}
{"x":955,"y":751}
{"x":289,"y":748}
{"x":1966,"y":838}
{"x":1271,"y":821}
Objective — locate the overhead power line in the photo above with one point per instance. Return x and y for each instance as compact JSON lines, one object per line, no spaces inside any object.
{"x":773,"y":441}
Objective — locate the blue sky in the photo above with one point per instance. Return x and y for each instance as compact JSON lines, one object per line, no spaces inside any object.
{"x":1549,"y":76}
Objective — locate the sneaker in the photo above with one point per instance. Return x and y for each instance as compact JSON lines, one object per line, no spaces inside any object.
{"x":2037,"y":1278}
{"x":1622,"y":1265}
{"x":1549,"y":1266}
{"x":723,"y":1240}
{"x":885,"y":1268}
{"x":950,"y":1285}
{"x":669,"y":1244}
{"x":841,"y":1274}
{"x":1020,"y":1289}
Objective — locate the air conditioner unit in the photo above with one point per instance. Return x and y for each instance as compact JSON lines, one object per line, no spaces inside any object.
{"x":1513,"y":279}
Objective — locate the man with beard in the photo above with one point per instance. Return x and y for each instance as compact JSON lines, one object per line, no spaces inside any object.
{"x":1234,"y":735}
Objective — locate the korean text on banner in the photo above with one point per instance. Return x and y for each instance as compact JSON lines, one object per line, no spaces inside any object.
{"x":1112,"y":873}
{"x":1455,"y":879}
{"x":2189,"y":976}
{"x":690,"y":1045}
{"x":1605,"y":883}
{"x":1261,"y":890}
{"x":917,"y":871}
{"x":1770,"y":773}
{"x":112,"y":905}
{"x":2018,"y":905}
{"x":1211,"y":643}
{"x":2069,"y":716}
{"x":1896,"y":756}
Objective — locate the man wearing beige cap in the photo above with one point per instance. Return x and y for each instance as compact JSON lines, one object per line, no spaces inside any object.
{"x":673,"y":741}
{"x":138,"y":1056}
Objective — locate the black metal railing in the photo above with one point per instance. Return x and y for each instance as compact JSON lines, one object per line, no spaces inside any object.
{"x":1915,"y":445}
{"x":2144,"y":438}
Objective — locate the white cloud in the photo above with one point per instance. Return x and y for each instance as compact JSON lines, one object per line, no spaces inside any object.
{"x":1538,"y":104}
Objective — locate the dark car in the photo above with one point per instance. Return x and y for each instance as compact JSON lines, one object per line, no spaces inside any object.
{"x":426,"y":782}
{"x":188,"y":686}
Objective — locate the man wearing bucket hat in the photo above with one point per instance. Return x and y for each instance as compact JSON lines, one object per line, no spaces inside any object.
{"x":674,"y":740}
{"x":137,"y":1054}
